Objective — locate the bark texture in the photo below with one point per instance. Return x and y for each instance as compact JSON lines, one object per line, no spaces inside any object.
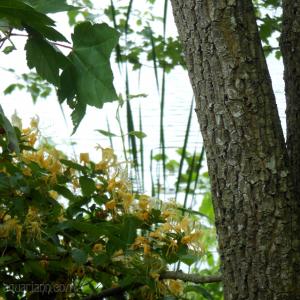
{"x":256,"y":214}
{"x":290,"y":47}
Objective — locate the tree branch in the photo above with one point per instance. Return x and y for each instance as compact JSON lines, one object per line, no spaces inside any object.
{"x":195,"y":278}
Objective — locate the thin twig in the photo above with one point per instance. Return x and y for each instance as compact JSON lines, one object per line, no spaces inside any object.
{"x":54,"y":43}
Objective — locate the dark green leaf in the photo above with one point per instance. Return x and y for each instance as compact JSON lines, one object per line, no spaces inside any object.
{"x":50,"y":6}
{"x":88,"y":186}
{"x":77,"y":115}
{"x":46,"y":58}
{"x":73,"y":165}
{"x":199,"y":289}
{"x":21,"y":15}
{"x":10,"y":133}
{"x":79,"y":256}
{"x":92,"y":78}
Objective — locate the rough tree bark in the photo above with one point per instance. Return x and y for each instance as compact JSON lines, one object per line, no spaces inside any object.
{"x":255,"y":207}
{"x":290,"y":46}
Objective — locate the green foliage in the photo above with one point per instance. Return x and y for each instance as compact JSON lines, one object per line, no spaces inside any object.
{"x":71,"y":222}
{"x":84,"y":77}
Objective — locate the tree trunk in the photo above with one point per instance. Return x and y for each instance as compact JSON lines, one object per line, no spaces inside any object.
{"x":255,"y":211}
{"x":290,"y":47}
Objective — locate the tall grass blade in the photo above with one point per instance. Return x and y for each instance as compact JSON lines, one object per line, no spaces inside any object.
{"x":118,"y":48}
{"x":151,"y":174}
{"x":129,"y":8}
{"x":121,"y":133}
{"x":198,"y":168}
{"x":130,"y":127}
{"x":141,"y":150}
{"x":110,"y":138}
{"x":186,"y":137}
{"x":153,"y":55}
{"x":188,"y":184}
{"x":162,"y":133}
{"x":165,"y":18}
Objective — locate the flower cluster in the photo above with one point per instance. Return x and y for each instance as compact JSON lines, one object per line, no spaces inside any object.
{"x":67,"y":219}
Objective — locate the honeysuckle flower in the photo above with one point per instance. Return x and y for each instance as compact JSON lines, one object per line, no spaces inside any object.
{"x":110,"y":205}
{"x":10,"y":226}
{"x":84,"y":157}
{"x":34,"y":123}
{"x":144,"y":202}
{"x":27,"y":171}
{"x":143,"y":215}
{"x":126,"y":199}
{"x":97,"y":248}
{"x":175,"y":286}
{"x":53,"y":194}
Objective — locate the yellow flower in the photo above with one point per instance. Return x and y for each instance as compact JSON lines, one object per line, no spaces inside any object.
{"x":111,"y":204}
{"x":34,"y":123}
{"x":143,"y":215}
{"x":32,"y":138}
{"x":165,"y":227}
{"x":156,"y":234}
{"x":126,"y":198}
{"x":144,"y":202}
{"x":44,"y":263}
{"x":11,"y":226}
{"x":101,"y":166}
{"x":175,"y":287}
{"x":167,"y":214}
{"x":33,"y":223}
{"x":183,"y":225}
{"x":147,"y":249}
{"x":53,"y":194}
{"x":191,"y":238}
{"x":108,"y":155}
{"x":154,"y":275}
{"x":27,"y":172}
{"x":84,"y":157}
{"x":172,"y":247}
{"x":139,"y":241}
{"x":98,"y":248}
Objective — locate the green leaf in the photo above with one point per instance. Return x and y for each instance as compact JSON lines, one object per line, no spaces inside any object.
{"x":21,"y":15}
{"x":92,"y":78}
{"x":88,"y":186}
{"x":47,"y":59}
{"x":199,"y":289}
{"x":106,"y":133}
{"x":8,"y":49}
{"x":189,"y":258}
{"x":138,"y":134}
{"x":206,"y":207}
{"x":34,"y":269}
{"x":13,"y":143}
{"x":77,"y":115}
{"x":129,"y":228}
{"x":51,"y":6}
{"x":73,"y":165}
{"x":65,"y":192}
{"x":79,"y":256}
{"x":5,"y":259}
{"x":101,"y":260}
